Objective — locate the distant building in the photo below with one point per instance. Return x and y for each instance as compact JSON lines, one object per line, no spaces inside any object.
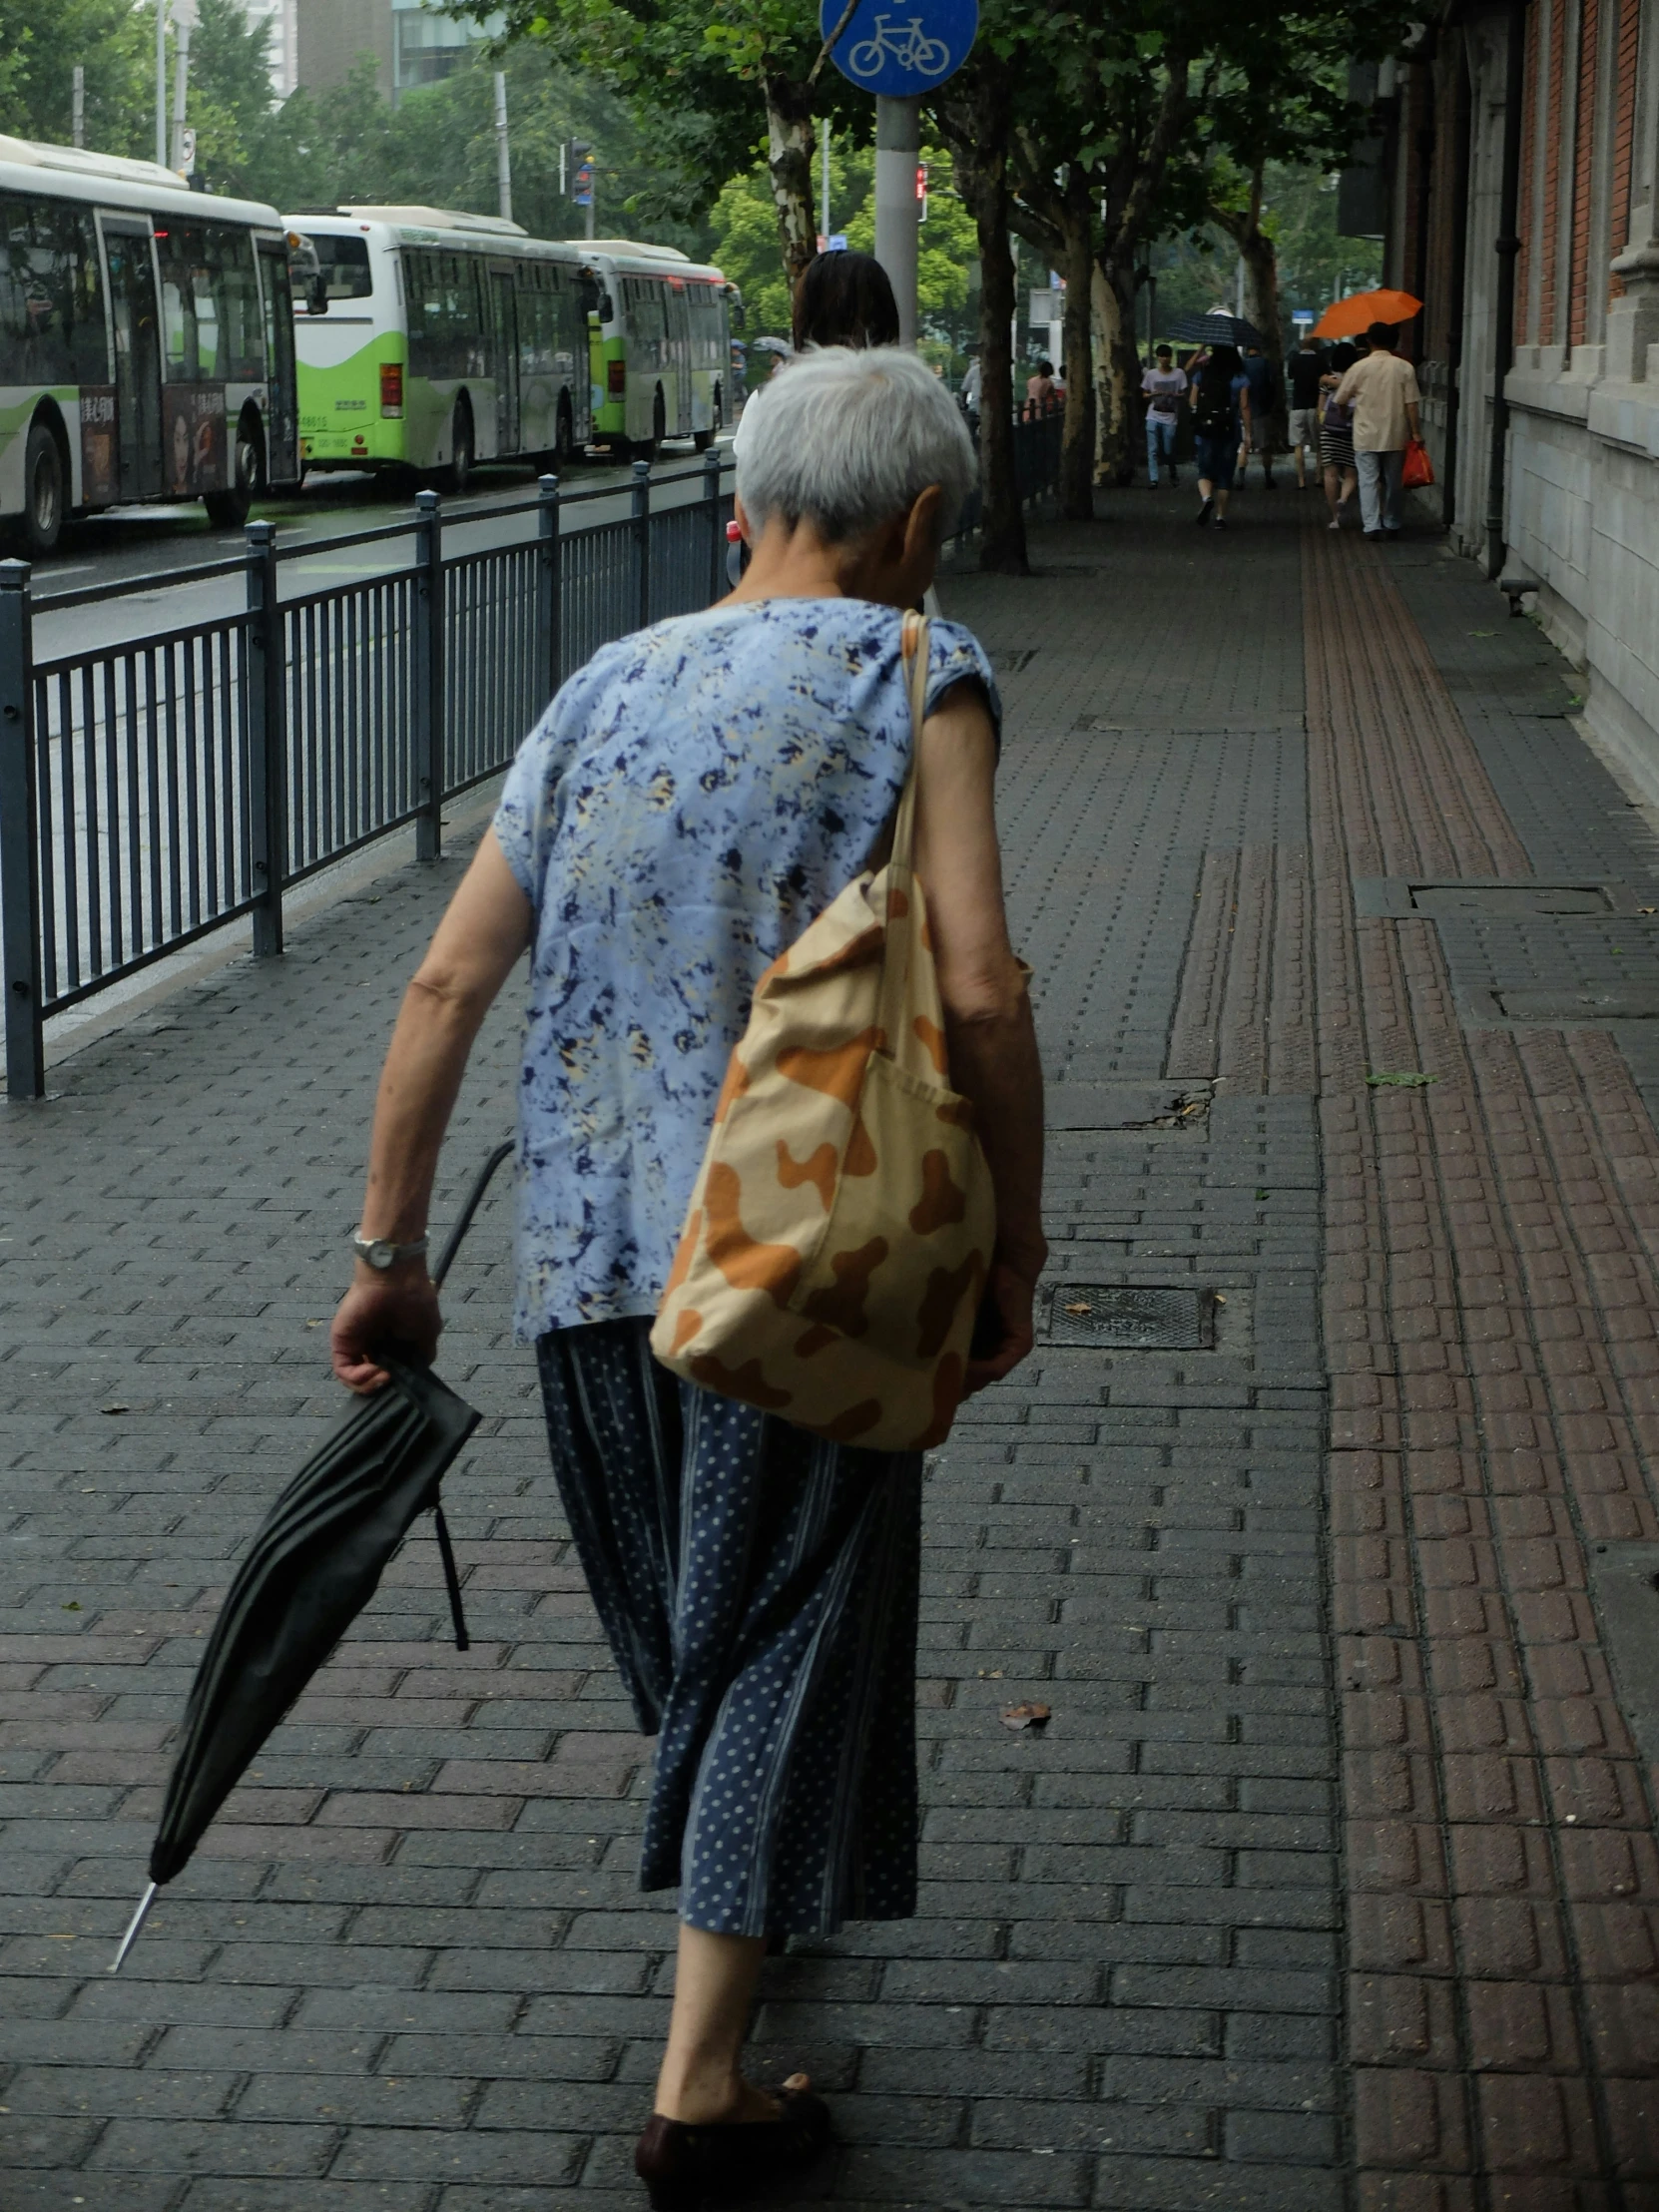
{"x":285,"y":60}
{"x":412,"y":44}
{"x":1546,"y":209}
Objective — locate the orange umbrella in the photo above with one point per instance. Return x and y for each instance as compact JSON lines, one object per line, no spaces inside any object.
{"x":1345,"y":319}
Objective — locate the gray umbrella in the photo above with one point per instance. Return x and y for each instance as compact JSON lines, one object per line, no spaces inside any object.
{"x":1215,"y":328}
{"x":312,"y":1567}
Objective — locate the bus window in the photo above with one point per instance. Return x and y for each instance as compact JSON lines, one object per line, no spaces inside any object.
{"x":227,"y":265}
{"x":344,"y":266}
{"x":51,"y":297}
{"x":446,"y":337}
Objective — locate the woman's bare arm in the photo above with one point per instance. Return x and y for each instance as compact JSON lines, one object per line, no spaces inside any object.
{"x":486,"y":927}
{"x":990,"y":1037}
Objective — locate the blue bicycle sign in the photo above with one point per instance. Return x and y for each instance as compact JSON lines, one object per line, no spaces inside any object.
{"x":900,"y":47}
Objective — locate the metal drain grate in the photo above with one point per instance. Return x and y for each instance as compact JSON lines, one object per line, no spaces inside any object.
{"x":1127,"y":1317}
{"x":1478,"y":898}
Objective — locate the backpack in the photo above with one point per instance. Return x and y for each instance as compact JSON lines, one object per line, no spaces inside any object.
{"x":1213,"y":410}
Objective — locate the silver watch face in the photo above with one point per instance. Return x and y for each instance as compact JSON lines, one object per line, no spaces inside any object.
{"x":381,"y":1252}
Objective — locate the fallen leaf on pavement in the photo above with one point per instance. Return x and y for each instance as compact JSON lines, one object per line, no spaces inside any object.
{"x":1025,"y":1715}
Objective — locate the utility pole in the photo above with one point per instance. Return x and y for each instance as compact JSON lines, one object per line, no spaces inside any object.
{"x":78,"y":107}
{"x":897,"y":210}
{"x":161,"y":83}
{"x":183,"y":14}
{"x":503,"y":166}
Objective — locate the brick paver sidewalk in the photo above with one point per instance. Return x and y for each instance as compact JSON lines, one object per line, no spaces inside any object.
{"x":1331,"y":1882}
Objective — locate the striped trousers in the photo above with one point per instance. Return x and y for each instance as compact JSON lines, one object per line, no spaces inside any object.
{"x":759,"y":1589}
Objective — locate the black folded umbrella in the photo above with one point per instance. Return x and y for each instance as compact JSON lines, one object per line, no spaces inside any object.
{"x":1217,"y":327}
{"x":315,"y":1564}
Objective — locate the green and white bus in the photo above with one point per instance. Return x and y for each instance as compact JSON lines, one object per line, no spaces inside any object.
{"x":146,"y":341}
{"x":660,"y":343}
{"x":436,"y":340}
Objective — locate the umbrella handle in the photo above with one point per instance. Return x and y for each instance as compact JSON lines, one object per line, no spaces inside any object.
{"x":463,"y":1220}
{"x":451,"y":1580}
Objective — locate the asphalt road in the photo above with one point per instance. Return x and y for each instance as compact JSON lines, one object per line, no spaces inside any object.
{"x":134,"y":549}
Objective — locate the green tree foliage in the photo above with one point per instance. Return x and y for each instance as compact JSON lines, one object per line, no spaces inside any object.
{"x":745,"y":240}
{"x":41,"y":41}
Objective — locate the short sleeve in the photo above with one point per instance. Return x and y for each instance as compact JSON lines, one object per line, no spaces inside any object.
{"x":955,"y":655}
{"x":527,"y":818}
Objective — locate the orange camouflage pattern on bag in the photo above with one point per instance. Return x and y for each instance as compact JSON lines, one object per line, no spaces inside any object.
{"x":840,"y":1234}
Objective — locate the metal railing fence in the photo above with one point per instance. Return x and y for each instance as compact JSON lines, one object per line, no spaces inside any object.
{"x":157,"y":790}
{"x":152,"y":790}
{"x":1038,"y":433}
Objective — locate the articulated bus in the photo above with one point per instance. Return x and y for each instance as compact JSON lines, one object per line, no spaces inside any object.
{"x":432,"y":339}
{"x":146,"y":341}
{"x":660,"y":340}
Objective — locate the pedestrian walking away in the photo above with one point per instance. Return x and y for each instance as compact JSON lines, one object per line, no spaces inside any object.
{"x":1220,"y":426}
{"x":1262,"y":423}
{"x":1302,"y":378}
{"x":1336,"y":436}
{"x":691,"y":799}
{"x":1382,"y":392}
{"x":1040,"y":388}
{"x":1164,"y":386}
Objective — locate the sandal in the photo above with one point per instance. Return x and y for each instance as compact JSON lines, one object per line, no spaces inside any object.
{"x":686,"y":2167}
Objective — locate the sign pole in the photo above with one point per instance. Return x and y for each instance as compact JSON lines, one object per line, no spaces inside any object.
{"x":897,"y":210}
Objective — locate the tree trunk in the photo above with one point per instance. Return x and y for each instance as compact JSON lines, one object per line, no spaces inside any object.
{"x":1261,"y":265}
{"x":789,"y":157}
{"x":1077,"y":442}
{"x":1119,"y":364}
{"x":1002,"y":531}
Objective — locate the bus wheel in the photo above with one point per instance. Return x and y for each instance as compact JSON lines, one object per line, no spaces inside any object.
{"x":43,"y":490}
{"x":228,"y":509}
{"x":703,"y":439}
{"x":564,"y":437}
{"x":454,"y":478}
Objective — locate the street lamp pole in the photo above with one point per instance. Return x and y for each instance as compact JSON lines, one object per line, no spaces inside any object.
{"x":898,"y":210}
{"x":503,"y":163}
{"x":161,"y":83}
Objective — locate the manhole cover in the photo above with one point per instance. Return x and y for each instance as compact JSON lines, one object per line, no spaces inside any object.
{"x":1128,"y":1318}
{"x":1501,"y":903}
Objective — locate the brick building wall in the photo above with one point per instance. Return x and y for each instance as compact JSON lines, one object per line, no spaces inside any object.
{"x":1582,"y":453}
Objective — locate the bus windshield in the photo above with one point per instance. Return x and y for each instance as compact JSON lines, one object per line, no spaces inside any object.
{"x":344,"y":266}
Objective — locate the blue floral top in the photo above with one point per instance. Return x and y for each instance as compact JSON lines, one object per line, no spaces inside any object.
{"x":692,"y":798}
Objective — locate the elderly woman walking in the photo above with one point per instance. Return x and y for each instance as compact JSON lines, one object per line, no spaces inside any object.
{"x":691,"y":800}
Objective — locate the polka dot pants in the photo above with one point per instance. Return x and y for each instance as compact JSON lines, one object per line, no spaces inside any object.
{"x":759,"y":1589}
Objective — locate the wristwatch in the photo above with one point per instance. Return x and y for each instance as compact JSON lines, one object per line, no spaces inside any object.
{"x":381,"y":1253}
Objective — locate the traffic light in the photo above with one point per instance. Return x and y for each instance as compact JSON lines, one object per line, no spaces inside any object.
{"x":575,"y":163}
{"x":922,"y":191}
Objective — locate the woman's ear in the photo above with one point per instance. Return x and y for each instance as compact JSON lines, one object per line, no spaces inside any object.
{"x":923,"y":526}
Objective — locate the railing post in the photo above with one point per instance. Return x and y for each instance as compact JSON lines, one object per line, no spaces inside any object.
{"x":267,"y":752}
{"x":550,"y":607}
{"x":642,"y":538}
{"x":19,"y":839}
{"x":717,"y":529}
{"x":430,"y":701}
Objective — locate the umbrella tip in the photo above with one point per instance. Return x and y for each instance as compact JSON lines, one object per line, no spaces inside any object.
{"x":133,"y":1927}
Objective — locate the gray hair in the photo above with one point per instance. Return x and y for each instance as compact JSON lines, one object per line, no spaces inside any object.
{"x":849,"y":438}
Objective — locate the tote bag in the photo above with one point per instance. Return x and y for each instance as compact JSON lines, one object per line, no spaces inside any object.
{"x":840,"y":1233}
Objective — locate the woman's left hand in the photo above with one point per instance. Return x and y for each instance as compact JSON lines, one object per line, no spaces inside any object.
{"x":395,"y":1310}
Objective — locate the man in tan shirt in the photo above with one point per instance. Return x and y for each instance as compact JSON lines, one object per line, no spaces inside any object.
{"x":1382,"y":392}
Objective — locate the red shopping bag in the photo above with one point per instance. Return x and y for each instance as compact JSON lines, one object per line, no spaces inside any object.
{"x":1418,"y":469}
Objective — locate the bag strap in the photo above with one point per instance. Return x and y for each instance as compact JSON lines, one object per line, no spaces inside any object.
{"x":896,"y":971}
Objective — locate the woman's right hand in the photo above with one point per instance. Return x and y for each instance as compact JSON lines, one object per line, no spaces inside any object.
{"x":1010,"y":1294}
{"x":399,"y":1308}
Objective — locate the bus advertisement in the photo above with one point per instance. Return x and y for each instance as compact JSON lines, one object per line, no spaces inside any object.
{"x":145,"y":343}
